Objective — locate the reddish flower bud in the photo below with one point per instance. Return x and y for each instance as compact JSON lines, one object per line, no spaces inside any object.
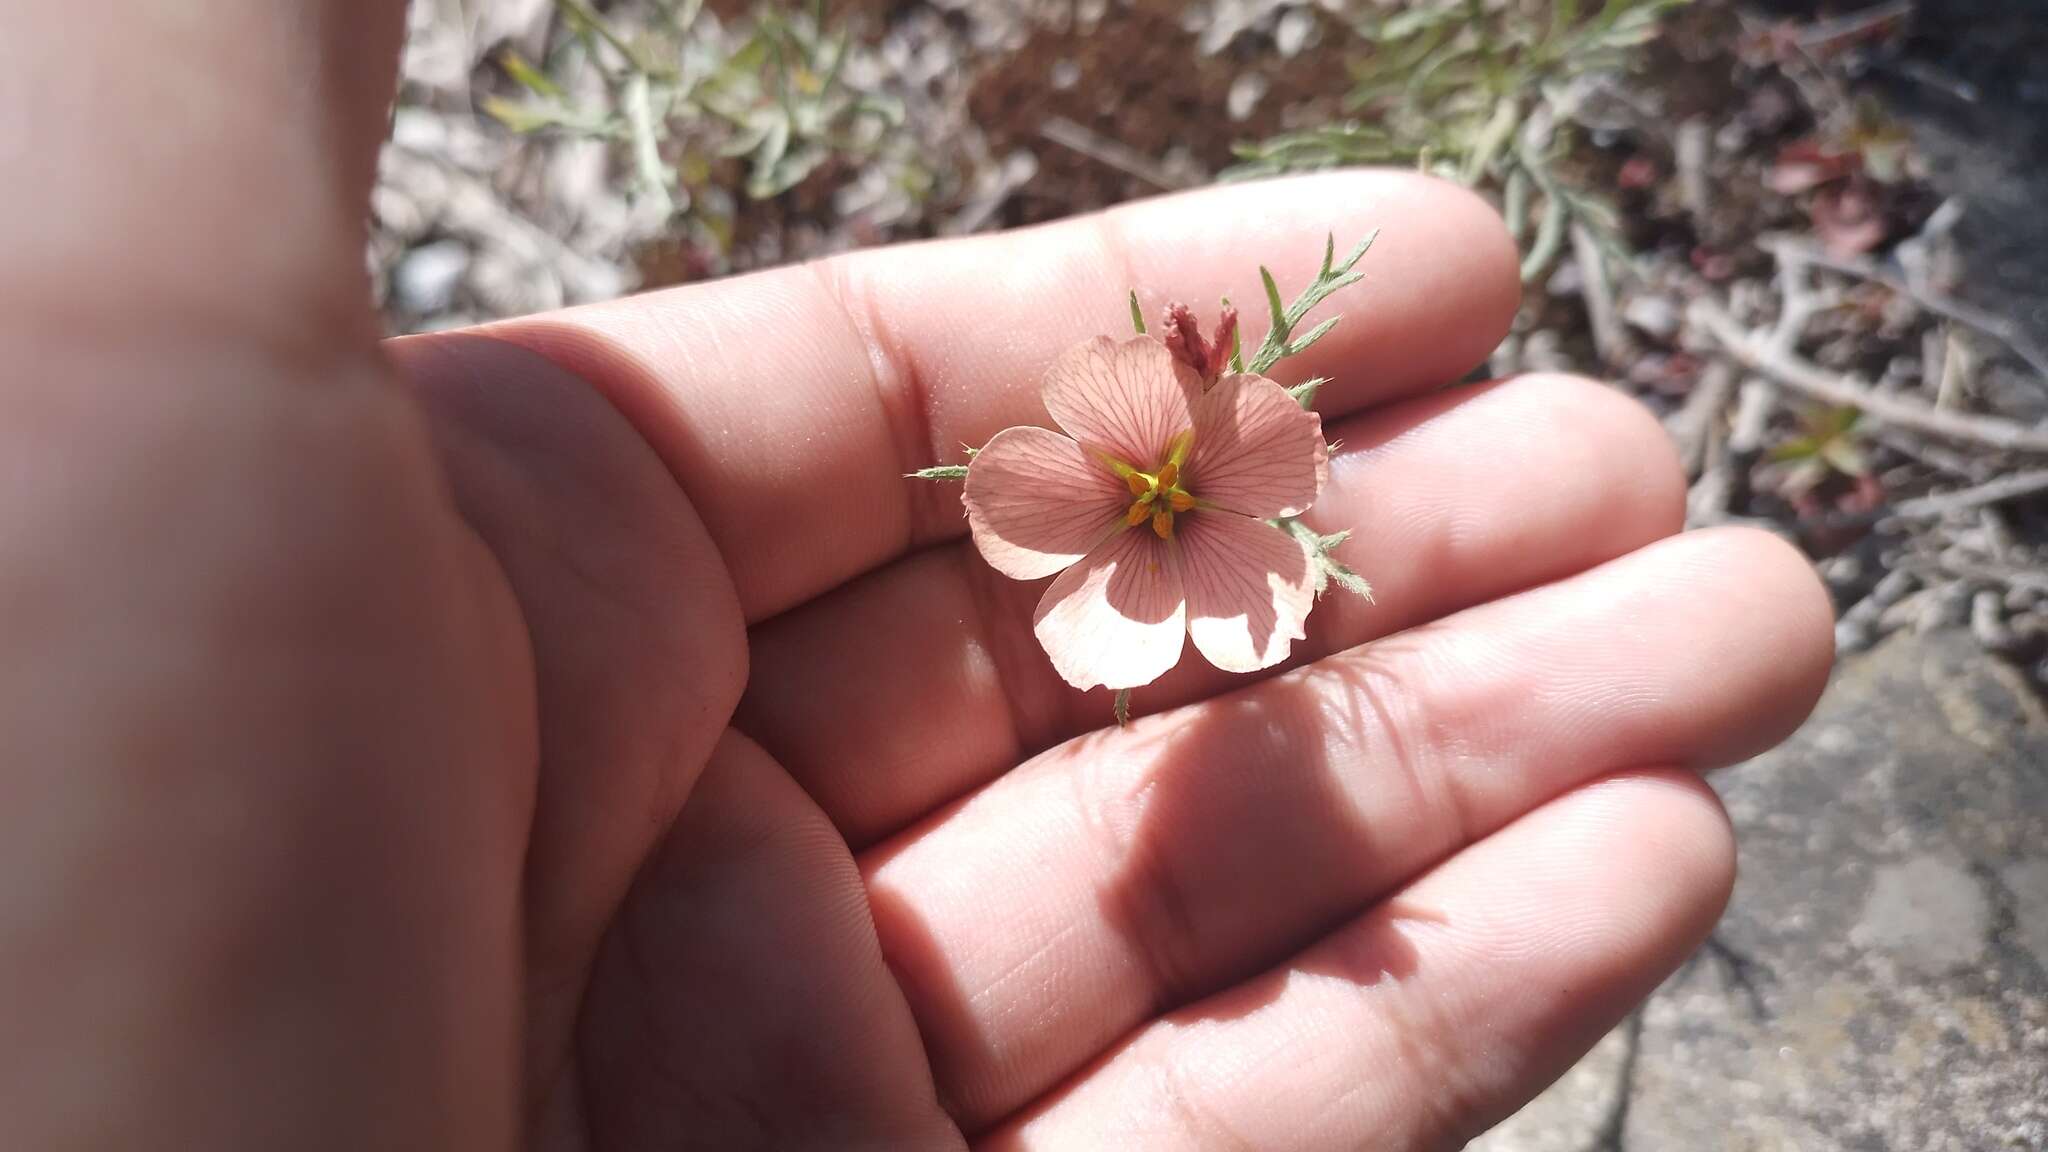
{"x":1209,"y":358}
{"x":1226,"y":339}
{"x":1184,"y":338}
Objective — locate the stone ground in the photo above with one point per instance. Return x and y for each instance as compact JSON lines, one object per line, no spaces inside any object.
{"x":1881,"y":978}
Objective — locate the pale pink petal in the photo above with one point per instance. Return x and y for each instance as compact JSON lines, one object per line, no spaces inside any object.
{"x":1249,"y":588}
{"x":1126,"y":400}
{"x":1258,"y":452}
{"x":1036,"y":503}
{"x":1115,"y":619}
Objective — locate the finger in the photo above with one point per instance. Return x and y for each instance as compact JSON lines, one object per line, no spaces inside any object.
{"x":789,"y":404}
{"x":1133,"y":870}
{"x":741,"y":977}
{"x":636,"y":634}
{"x":1432,"y":1017}
{"x":911,"y":687}
{"x":153,"y":147}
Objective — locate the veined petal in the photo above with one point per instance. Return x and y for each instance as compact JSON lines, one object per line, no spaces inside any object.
{"x":1115,"y":619}
{"x":1249,"y":588}
{"x":1122,"y":399}
{"x":1036,"y":503}
{"x":1258,"y":452}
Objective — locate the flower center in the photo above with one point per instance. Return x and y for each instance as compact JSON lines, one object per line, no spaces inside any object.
{"x":1159,"y":494}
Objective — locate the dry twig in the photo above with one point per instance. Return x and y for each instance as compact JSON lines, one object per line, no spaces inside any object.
{"x":1811,"y":380}
{"x":1598,"y":289}
{"x":1111,"y":153}
{"x":2014,"y":487}
{"x":1999,"y":328}
{"x":1692,"y":423}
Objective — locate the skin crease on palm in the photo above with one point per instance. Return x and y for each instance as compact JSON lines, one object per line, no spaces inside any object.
{"x":575,"y":734}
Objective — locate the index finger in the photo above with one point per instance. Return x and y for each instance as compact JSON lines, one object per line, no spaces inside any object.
{"x":789,"y":404}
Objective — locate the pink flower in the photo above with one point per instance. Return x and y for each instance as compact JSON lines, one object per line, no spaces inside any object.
{"x":1155,"y":514}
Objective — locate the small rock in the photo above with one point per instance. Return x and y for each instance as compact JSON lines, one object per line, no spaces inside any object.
{"x":1844,"y":570}
{"x":1894,"y":587}
{"x":506,"y":286}
{"x":1296,"y":26}
{"x":1543,"y":351}
{"x":425,"y":279}
{"x":1987,"y":622}
{"x":1854,"y":635}
{"x":1944,"y":607}
{"x":1245,"y":93}
{"x":1654,"y":315}
{"x":1906,"y":613}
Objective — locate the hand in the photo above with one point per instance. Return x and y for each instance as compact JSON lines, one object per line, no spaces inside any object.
{"x":576,"y":733}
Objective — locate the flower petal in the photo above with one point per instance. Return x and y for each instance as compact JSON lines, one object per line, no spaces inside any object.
{"x":1126,"y":400}
{"x":1249,"y":588}
{"x":1258,"y":452}
{"x":1115,"y":619}
{"x":1036,"y":503}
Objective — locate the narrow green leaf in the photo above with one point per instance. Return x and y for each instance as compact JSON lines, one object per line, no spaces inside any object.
{"x":1846,"y":457}
{"x":1137,"y":316}
{"x":1273,"y":304}
{"x":1358,"y":253}
{"x":529,"y":77}
{"x":1801,"y":448}
{"x":1304,"y":393}
{"x":1316,"y":333}
{"x":521,"y":118}
{"x":1549,"y":239}
{"x":939,"y":472}
{"x":1348,"y":580}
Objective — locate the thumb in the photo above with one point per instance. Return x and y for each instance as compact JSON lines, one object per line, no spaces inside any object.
{"x":209,"y":161}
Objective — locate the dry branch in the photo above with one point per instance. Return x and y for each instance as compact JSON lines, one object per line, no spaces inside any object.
{"x":1999,"y":328}
{"x":1811,"y":380}
{"x":2014,"y":487}
{"x":1111,"y":153}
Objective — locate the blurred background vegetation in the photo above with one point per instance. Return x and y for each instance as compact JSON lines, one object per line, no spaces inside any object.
{"x":1803,"y":233}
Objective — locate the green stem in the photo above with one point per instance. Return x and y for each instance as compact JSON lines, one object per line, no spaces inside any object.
{"x":589,"y":18}
{"x":1492,"y":139}
{"x":639,"y":101}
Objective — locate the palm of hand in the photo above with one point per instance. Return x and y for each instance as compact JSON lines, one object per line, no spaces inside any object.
{"x":1381,"y":899}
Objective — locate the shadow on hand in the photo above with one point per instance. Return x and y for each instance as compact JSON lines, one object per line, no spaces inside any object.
{"x":1250,"y":797}
{"x":1257,"y":840}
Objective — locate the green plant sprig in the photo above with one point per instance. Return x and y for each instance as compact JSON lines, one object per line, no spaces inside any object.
{"x":1459,"y":87}
{"x":684,"y":94}
{"x":1280,"y":341}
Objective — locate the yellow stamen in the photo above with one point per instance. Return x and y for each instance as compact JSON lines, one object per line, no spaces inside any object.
{"x":1139,"y":483}
{"x":1137,"y":514}
{"x":1169,"y":475}
{"x":1179,"y":501}
{"x":1162,"y":524}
